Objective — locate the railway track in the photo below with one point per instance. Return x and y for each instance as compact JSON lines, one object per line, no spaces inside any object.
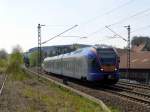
{"x":141,"y":86}
{"x":129,"y":90}
{"x":130,"y":94}
{"x":3,"y":79}
{"x":122,"y":92}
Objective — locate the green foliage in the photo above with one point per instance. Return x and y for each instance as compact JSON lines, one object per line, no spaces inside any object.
{"x":33,"y":59}
{"x":15,"y":62}
{"x":3,"y":65}
{"x":3,"y":60}
{"x":137,"y":40}
{"x":14,"y":66}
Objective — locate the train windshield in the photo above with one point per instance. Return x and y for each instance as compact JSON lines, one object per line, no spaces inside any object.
{"x":107,"y":55}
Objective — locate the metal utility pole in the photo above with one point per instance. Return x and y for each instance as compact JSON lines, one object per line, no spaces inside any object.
{"x":128,"y":51}
{"x":39,"y":60}
{"x":39,"y":48}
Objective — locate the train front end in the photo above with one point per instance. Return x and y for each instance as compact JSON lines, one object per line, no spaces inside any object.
{"x":104,"y":65}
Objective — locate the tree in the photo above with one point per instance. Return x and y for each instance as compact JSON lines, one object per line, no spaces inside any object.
{"x":15,"y":60}
{"x":33,"y":59}
{"x":138,"y":40}
{"x":3,"y":60}
{"x":3,"y":54}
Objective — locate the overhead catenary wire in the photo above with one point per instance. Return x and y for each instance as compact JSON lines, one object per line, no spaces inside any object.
{"x":119,"y":36}
{"x":141,"y":28}
{"x":120,"y":21}
{"x":130,"y":17}
{"x":97,"y":31}
{"x":107,"y":13}
{"x":70,"y":36}
{"x":93,"y":19}
{"x":100,"y":16}
{"x":59,"y":34}
{"x":58,"y":25}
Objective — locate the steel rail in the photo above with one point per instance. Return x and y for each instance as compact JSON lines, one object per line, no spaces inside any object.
{"x":142,"y":86}
{"x":133,"y":92}
{"x":136,"y":99}
{"x":3,"y":84}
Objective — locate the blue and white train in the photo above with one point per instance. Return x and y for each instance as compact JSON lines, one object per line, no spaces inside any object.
{"x":95,"y":64}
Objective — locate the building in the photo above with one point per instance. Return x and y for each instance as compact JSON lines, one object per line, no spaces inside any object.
{"x":139,"y":64}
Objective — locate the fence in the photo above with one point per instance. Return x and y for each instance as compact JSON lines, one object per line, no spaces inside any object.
{"x":139,"y":75}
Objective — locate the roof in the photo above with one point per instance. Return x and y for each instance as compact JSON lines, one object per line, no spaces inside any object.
{"x":139,"y":60}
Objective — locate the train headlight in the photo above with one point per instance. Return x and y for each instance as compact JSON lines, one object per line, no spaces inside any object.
{"x":102,"y":69}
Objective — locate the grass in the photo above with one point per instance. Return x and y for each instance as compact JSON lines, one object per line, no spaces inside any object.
{"x":25,"y":93}
{"x":58,"y":99}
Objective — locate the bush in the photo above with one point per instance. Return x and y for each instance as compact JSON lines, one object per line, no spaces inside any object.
{"x":33,"y":59}
{"x":15,"y":61}
{"x":3,"y":65}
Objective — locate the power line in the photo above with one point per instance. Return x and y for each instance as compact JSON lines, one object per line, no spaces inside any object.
{"x":97,"y":31}
{"x":59,"y":34}
{"x":141,"y":28}
{"x":130,"y":17}
{"x":73,"y":36}
{"x":119,"y":36}
{"x":58,"y":26}
{"x":124,"y":19}
{"x":108,"y":12}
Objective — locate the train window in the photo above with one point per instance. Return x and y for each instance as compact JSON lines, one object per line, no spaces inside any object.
{"x":106,"y":52}
{"x":94,"y":62}
{"x":67,"y":65}
{"x":78,"y":51}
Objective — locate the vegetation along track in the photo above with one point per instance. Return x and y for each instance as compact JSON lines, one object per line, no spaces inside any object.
{"x":119,"y":96}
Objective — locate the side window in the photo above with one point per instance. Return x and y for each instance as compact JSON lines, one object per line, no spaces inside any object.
{"x":78,"y":51}
{"x":94,"y":62}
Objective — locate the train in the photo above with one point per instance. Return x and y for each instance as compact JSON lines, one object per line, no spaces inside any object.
{"x":93,"y":64}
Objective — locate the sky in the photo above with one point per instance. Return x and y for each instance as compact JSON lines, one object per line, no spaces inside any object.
{"x":19,"y":20}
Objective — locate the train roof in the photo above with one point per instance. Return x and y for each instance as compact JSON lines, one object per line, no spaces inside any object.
{"x":102,"y":46}
{"x":79,"y":52}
